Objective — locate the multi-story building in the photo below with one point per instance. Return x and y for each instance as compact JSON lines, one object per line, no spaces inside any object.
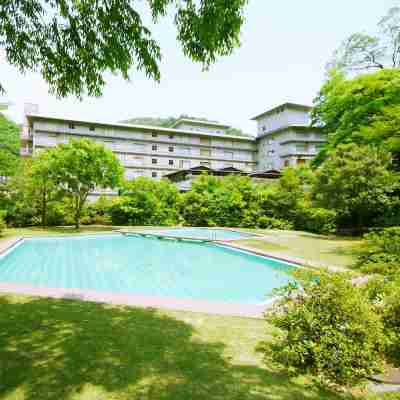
{"x":284,"y":138}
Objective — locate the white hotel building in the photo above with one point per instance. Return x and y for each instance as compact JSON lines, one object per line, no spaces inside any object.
{"x":284,"y":137}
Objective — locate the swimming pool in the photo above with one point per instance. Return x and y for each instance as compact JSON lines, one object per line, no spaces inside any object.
{"x":200,"y":233}
{"x":145,"y":266}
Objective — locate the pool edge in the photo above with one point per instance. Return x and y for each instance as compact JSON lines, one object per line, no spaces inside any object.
{"x":160,"y":302}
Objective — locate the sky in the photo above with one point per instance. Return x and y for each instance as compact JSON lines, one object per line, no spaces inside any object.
{"x":285,"y":46}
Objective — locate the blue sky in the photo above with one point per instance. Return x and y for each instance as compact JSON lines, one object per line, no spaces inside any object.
{"x":285,"y":46}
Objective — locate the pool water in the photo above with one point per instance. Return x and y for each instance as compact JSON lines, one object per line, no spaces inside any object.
{"x":201,"y":233}
{"x":144,"y":266}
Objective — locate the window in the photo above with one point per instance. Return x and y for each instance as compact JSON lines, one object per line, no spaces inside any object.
{"x":154,"y":147}
{"x":264,"y":128}
{"x":71,"y":126}
{"x":205,"y":141}
{"x":171,"y":149}
{"x":154,"y":160}
{"x":185,"y":164}
{"x":287,"y":163}
{"x":301,"y":161}
{"x":154,"y":174}
{"x":205,"y":152}
{"x":138,"y":147}
{"x":185,"y":150}
{"x":170,"y":136}
{"x":171,"y":162}
{"x":228,"y":155}
{"x":302,"y":147}
{"x":91,"y":128}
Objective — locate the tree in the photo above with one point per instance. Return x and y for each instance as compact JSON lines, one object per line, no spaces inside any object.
{"x":80,"y":167}
{"x":361,"y":52}
{"x":9,"y":146}
{"x":356,"y":182}
{"x":362,"y":110}
{"x":328,"y":328}
{"x":42,"y":186}
{"x":73,"y":43}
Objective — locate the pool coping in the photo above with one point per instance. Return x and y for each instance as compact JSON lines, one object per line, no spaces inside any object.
{"x":163,"y":302}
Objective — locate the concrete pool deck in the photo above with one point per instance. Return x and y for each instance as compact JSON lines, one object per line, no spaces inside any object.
{"x":169,"y":303}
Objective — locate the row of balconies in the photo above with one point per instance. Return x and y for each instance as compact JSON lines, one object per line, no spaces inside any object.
{"x":148,"y":137}
{"x":146,"y":150}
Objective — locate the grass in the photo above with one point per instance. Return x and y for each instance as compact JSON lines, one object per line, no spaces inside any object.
{"x":314,"y":249}
{"x":75,"y":350}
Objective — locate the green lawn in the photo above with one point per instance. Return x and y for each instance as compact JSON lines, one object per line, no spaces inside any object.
{"x":314,"y":249}
{"x":70,"y":349}
{"x":75,"y":350}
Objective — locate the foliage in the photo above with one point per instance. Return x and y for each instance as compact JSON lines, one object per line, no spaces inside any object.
{"x":97,"y":213}
{"x":145,"y":201}
{"x":380,"y":252}
{"x":3,"y":224}
{"x":168,"y":122}
{"x":362,"y":110}
{"x":80,"y":167}
{"x":355,"y":182}
{"x":43,"y":188}
{"x":151,"y":121}
{"x":363,"y":52}
{"x":328,"y":328}
{"x":72,"y":44}
{"x":236,"y":132}
{"x":391,"y":318}
{"x":316,"y":219}
{"x":265,"y":222}
{"x":212,"y":201}
{"x":9,"y":146}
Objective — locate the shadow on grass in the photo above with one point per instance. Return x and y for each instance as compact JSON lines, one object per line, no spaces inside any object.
{"x":69,"y":349}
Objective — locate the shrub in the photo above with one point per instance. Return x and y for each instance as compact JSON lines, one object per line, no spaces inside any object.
{"x":329,"y":329}
{"x":3,"y":224}
{"x":380,"y":252}
{"x":265,"y":222}
{"x":317,"y":220}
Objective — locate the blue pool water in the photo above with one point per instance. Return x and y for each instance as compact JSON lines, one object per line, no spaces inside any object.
{"x":146,"y":266}
{"x":201,"y":233}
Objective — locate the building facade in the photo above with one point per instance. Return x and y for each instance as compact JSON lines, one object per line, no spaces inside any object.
{"x":283,"y":138}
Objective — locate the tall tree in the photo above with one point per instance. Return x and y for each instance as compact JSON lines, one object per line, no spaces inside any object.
{"x":9,"y":146}
{"x":73,"y":43}
{"x":43,"y":187}
{"x":357,"y":183}
{"x":80,"y":167}
{"x":361,"y":52}
{"x":362,"y":110}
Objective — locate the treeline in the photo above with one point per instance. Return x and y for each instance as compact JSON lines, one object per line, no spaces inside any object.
{"x":355,"y":188}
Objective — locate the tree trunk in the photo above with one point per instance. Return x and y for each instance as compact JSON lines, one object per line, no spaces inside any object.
{"x":44,"y":209}
{"x":77,"y":213}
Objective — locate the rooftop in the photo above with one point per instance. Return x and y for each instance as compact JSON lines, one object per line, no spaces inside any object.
{"x":191,"y":121}
{"x":281,"y":107}
{"x":32,"y":117}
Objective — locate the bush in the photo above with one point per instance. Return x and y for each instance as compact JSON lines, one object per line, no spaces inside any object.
{"x":329,"y":329}
{"x":317,"y":220}
{"x":146,"y":202}
{"x":3,"y":225}
{"x":380,"y":252}
{"x":265,"y":222}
